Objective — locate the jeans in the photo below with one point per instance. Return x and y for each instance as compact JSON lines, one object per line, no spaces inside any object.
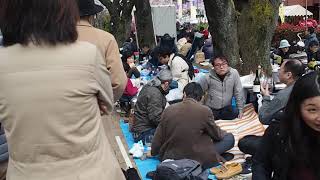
{"x":250,"y":144}
{"x":221,"y":147}
{"x":225,"y":144}
{"x":142,"y":136}
{"x":226,"y":113}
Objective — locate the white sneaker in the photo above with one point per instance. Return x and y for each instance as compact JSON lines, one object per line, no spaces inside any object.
{"x":138,"y":153}
{"x":134,"y":148}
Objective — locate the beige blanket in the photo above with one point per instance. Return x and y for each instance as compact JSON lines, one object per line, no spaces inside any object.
{"x":248,"y":125}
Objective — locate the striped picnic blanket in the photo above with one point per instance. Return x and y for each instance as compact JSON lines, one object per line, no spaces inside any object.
{"x":248,"y":125}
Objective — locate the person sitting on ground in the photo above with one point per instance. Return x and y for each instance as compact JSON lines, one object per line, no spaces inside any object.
{"x":222,"y":83}
{"x":290,"y":149}
{"x":272,"y":110}
{"x":208,"y":48}
{"x":290,"y":71}
{"x":129,"y":66}
{"x":205,"y":32}
{"x":150,"y":105}
{"x":187,"y":38}
{"x":313,"y":55}
{"x":125,"y":101}
{"x":185,"y":48}
{"x":145,"y":54}
{"x":188,"y":130}
{"x":282,"y":52}
{"x":178,"y":66}
{"x":310,"y":36}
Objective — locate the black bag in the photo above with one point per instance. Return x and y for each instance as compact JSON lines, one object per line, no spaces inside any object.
{"x":184,"y":169}
{"x":131,"y":174}
{"x":191,"y":69}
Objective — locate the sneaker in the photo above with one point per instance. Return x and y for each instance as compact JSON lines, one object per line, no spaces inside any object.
{"x":136,"y":147}
{"x":247,"y":167}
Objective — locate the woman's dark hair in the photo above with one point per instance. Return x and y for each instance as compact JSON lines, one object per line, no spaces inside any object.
{"x":164,"y":51}
{"x":193,"y":90}
{"x":295,"y":129}
{"x":126,"y":55}
{"x":42,"y":22}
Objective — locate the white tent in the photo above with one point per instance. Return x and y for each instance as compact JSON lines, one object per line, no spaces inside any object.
{"x":296,"y":10}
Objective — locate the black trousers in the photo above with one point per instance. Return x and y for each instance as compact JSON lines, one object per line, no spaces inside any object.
{"x":226,"y":113}
{"x":250,"y":144}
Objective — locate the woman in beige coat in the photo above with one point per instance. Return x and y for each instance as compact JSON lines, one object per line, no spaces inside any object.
{"x":50,"y":86}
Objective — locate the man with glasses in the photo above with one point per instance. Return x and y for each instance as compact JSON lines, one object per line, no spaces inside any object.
{"x":222,"y":83}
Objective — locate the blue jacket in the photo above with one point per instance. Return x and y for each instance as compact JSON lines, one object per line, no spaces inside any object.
{"x":4,"y":155}
{"x":311,"y":37}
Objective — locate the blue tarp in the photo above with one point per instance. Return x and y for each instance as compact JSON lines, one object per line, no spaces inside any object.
{"x":147,"y":165}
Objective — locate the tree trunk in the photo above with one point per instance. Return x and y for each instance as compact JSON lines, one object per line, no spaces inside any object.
{"x":222,"y":20}
{"x":144,"y":23}
{"x":120,"y":28}
{"x":243,"y":27}
{"x":121,"y":18}
{"x":256,"y":26}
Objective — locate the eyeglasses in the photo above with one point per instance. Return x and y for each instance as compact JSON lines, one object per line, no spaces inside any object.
{"x":220,"y":65}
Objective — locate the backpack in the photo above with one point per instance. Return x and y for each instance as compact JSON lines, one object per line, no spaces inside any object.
{"x":184,"y":169}
{"x":191,"y":69}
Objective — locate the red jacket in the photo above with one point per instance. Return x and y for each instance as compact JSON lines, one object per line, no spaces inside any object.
{"x":130,"y":89}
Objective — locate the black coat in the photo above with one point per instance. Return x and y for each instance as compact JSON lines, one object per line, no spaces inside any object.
{"x":314,"y":56}
{"x":273,"y":156}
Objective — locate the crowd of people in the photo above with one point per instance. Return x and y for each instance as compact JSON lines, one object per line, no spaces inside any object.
{"x":59,"y":75}
{"x":310,"y":45}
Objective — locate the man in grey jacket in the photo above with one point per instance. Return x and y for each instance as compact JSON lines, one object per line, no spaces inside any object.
{"x":150,"y":105}
{"x":289,"y":72}
{"x":270,"y":110}
{"x":222,"y":83}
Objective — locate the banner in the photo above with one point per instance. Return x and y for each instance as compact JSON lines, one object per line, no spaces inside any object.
{"x":281,"y":13}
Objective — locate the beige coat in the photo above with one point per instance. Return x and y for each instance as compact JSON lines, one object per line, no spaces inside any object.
{"x":48,"y":107}
{"x":110,"y":52}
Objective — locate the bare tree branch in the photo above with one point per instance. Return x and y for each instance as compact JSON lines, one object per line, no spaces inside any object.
{"x":107,"y":3}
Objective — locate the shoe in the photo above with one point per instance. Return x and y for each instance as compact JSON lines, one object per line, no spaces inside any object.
{"x":229,"y":170}
{"x":222,"y":167}
{"x":151,"y":174}
{"x":247,"y":167}
{"x":136,"y":147}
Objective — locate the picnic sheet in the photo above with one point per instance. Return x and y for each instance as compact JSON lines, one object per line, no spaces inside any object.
{"x":248,"y":125}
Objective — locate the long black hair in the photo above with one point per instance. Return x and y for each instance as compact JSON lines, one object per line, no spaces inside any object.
{"x":303,"y":142}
